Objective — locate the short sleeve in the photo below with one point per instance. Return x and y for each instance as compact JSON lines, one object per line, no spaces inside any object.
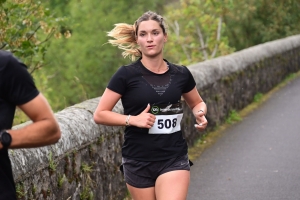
{"x":118,"y":81}
{"x":190,"y":82}
{"x":19,"y":86}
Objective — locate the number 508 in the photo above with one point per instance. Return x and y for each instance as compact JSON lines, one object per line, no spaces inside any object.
{"x":168,"y":123}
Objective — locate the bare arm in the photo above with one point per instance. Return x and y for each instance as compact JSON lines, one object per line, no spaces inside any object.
{"x":197,"y":105}
{"x":43,"y":131}
{"x":104,"y":115}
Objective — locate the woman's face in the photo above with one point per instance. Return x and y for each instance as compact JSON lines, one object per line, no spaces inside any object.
{"x":150,"y":38}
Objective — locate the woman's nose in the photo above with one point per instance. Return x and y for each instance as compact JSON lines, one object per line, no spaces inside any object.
{"x":149,"y":38}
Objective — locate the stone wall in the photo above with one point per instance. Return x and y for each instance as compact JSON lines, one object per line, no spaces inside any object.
{"x":84,"y":164}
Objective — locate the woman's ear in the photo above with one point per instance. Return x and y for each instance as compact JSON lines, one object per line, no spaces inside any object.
{"x":165,"y":38}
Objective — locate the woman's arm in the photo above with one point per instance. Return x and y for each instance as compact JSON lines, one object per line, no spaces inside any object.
{"x":197,"y":105}
{"x":104,"y":115}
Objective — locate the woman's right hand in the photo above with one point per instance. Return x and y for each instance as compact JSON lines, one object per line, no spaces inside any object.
{"x":144,"y":119}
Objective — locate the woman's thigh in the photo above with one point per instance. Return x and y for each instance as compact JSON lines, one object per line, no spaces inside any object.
{"x":141,"y":193}
{"x":172,"y":185}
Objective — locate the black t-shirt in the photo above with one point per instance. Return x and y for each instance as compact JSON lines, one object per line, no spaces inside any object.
{"x":138,"y":87}
{"x":16,"y":88}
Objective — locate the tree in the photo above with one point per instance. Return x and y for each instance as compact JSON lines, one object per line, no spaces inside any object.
{"x":258,"y":21}
{"x":196,"y":32}
{"x":25,"y":29}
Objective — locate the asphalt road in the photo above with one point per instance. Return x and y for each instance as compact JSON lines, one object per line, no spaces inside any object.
{"x":258,"y":158}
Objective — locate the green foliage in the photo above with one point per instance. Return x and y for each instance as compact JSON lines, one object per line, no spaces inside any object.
{"x":202,"y":139}
{"x":88,"y":184}
{"x":61,"y":180}
{"x":86,"y":168}
{"x":20,"y":191}
{"x":25,"y":29}
{"x":20,"y":117}
{"x":258,"y":97}
{"x":233,"y":117}
{"x":52,"y":164}
{"x":86,"y":194}
{"x":258,"y":21}
{"x":290,"y":77}
{"x":196,"y":32}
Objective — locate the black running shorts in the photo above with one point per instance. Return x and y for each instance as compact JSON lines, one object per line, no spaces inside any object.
{"x":141,"y":174}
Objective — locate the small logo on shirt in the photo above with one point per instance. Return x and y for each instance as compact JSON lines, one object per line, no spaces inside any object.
{"x":155,"y":109}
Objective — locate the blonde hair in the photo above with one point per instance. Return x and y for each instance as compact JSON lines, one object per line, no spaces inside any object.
{"x":125,"y":34}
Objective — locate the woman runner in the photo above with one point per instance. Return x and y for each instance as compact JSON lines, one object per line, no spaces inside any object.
{"x":154,"y":154}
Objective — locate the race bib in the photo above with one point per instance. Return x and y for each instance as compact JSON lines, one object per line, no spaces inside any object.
{"x":168,"y":118}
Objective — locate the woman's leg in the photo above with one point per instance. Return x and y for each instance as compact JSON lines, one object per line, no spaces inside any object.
{"x":141,"y":193}
{"x":172,"y":185}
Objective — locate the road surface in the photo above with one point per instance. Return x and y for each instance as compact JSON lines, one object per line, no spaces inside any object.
{"x":258,"y":158}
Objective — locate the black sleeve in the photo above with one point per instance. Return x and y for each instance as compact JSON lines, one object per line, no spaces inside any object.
{"x":190,"y":82}
{"x":118,"y":81}
{"x":19,"y":86}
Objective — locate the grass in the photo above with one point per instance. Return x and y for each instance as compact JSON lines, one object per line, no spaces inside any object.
{"x":52,"y":164}
{"x":86,"y":168}
{"x":234,"y":116}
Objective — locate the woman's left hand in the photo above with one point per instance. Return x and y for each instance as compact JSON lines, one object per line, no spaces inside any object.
{"x":201,"y":120}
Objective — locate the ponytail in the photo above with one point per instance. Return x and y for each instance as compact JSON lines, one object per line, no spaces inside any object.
{"x":124,"y":38}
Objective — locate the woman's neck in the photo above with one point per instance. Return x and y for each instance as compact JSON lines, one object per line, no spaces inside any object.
{"x":156,"y":65}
